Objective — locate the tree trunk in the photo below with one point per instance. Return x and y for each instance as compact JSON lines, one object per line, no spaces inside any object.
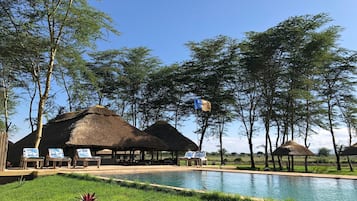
{"x":307,"y":131}
{"x":266,"y":160}
{"x":349,"y":163}
{"x":221,"y":149}
{"x":338,"y":163}
{"x":221,"y":130}
{"x":271,"y":151}
{"x":3,"y":150}
{"x":39,"y":122}
{"x":252,"y":163}
{"x":4,"y":135}
{"x":32,"y":99}
{"x":349,"y":126}
{"x":203,"y":131}
{"x":277,"y":144}
{"x":43,"y":98}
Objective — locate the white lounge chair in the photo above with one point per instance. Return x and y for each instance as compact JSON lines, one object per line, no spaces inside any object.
{"x":31,"y":155}
{"x":187,"y":157}
{"x":200,"y":157}
{"x":56,"y":155}
{"x":85,"y":156}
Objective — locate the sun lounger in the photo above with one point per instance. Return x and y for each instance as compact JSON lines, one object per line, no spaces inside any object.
{"x":85,"y":156}
{"x":56,"y":155}
{"x":187,"y":157}
{"x":31,"y":155}
{"x":200,"y":158}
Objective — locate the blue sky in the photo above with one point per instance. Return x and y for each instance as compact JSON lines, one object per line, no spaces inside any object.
{"x":164,"y":26}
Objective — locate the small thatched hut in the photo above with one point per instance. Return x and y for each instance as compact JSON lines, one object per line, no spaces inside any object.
{"x":96,"y":127}
{"x":291,"y":149}
{"x":351,"y":150}
{"x":172,"y":137}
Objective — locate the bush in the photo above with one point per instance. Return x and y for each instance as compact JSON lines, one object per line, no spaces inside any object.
{"x":324,"y":152}
{"x":237,"y":160}
{"x":320,"y":169}
{"x":322,"y":160}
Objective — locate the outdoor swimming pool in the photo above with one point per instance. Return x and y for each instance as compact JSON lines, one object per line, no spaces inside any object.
{"x":256,"y":185}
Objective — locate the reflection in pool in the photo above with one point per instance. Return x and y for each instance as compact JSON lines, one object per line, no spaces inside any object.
{"x":256,"y":185}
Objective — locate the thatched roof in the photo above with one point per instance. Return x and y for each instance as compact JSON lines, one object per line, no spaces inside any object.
{"x":291,"y":148}
{"x":352,"y":150}
{"x":97,"y":128}
{"x":171,"y":136}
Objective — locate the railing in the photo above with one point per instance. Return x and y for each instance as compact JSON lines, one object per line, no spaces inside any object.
{"x":3,"y":150}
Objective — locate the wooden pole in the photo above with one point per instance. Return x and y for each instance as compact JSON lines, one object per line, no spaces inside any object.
{"x":3,"y":150}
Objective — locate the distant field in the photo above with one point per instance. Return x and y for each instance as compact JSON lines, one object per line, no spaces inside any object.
{"x":316,"y":164}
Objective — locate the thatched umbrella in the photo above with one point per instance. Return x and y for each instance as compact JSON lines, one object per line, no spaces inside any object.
{"x":172,"y":137}
{"x":290,"y":149}
{"x":351,"y":150}
{"x":96,"y":127}
{"x":348,"y":151}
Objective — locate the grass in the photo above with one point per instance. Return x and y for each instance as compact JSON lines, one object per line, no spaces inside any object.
{"x":316,"y":164}
{"x":58,"y":187}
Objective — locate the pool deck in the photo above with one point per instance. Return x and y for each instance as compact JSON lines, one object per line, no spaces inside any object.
{"x":117,"y":169}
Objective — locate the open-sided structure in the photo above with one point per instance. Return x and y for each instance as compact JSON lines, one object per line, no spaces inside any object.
{"x":96,"y":128}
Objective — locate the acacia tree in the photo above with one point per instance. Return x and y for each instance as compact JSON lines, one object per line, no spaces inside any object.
{"x":247,"y":98}
{"x":261,"y":58}
{"x":156,"y":97}
{"x":60,"y":24}
{"x":209,"y":73}
{"x":163,"y":96}
{"x":336,"y":78}
{"x":136,"y":66}
{"x":102,"y":75}
{"x":348,"y":111}
{"x":303,"y":43}
{"x":285,"y":60}
{"x":72,"y":77}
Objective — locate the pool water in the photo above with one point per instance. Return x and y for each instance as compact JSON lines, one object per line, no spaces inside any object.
{"x":256,"y":185}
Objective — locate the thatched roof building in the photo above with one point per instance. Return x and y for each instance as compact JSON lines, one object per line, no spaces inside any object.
{"x":291,"y":148}
{"x":352,"y":150}
{"x":96,"y":127}
{"x":171,"y":136}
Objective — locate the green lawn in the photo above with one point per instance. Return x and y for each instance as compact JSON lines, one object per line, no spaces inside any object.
{"x":58,"y":188}
{"x":316,"y":164}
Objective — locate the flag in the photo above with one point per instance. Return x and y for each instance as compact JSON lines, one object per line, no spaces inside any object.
{"x":201,"y":104}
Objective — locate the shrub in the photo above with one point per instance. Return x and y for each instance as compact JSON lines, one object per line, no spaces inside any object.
{"x":322,"y":160}
{"x":237,"y":160}
{"x":324,"y":152}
